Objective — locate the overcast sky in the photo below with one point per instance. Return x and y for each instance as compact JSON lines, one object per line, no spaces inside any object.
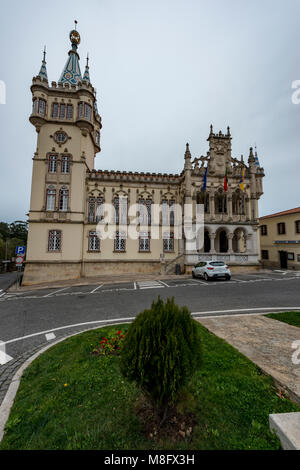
{"x":164,"y":71}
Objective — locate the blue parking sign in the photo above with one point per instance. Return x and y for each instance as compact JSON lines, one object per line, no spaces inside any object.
{"x":20,"y":250}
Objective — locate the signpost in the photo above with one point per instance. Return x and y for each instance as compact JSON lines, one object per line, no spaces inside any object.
{"x":20,"y":255}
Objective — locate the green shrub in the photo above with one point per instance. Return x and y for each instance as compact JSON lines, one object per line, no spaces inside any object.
{"x":161,"y":351}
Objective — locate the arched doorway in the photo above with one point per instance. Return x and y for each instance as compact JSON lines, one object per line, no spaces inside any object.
{"x":223,"y":241}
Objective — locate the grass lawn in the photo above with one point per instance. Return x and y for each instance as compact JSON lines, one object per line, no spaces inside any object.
{"x":292,"y":318}
{"x":71,"y":399}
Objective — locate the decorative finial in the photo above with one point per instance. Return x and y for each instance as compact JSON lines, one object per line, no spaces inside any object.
{"x":87,"y":60}
{"x":44,"y":54}
{"x":76,"y":22}
{"x":211,"y":128}
{"x":228,"y":130}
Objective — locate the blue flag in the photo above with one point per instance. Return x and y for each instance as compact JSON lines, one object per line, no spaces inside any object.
{"x":205,"y":180}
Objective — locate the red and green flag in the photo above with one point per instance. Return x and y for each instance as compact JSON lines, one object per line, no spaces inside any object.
{"x":226,"y":180}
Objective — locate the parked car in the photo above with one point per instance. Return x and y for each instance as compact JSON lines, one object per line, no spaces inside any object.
{"x":211,"y":270}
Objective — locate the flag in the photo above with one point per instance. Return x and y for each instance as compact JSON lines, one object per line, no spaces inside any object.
{"x":242,"y":186}
{"x":204,"y":180}
{"x":226,"y":180}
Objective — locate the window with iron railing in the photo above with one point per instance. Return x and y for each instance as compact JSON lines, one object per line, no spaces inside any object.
{"x":54,"y":240}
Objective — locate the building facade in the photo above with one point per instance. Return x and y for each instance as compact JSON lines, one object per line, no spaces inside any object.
{"x":68,"y":195}
{"x":280,"y":239}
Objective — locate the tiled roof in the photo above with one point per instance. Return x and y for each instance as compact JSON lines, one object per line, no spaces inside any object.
{"x":278,"y":214}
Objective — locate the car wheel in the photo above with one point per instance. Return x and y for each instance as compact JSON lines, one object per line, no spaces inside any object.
{"x":228,"y":278}
{"x":193,"y":274}
{"x":206,"y":277}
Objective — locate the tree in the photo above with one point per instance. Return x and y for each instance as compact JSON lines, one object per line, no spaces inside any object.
{"x":161,"y":351}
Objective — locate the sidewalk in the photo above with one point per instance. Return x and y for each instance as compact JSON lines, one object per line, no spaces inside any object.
{"x":266,"y":342}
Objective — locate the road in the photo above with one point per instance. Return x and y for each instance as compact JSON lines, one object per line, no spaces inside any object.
{"x":32,"y":317}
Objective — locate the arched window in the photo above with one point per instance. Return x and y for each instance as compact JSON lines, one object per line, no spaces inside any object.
{"x":63,"y":199}
{"x":50,"y":198}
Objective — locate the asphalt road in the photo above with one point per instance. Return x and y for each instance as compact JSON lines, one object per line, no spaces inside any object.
{"x":6,"y":280}
{"x":27,"y":317}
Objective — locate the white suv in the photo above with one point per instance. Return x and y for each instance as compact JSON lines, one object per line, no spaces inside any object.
{"x":212,"y":270}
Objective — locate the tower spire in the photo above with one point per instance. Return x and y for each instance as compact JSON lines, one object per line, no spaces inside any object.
{"x":71,"y":72}
{"x":86,"y":75}
{"x":43,"y":71}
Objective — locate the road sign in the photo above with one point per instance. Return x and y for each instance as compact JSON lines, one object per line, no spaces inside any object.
{"x":20,"y":250}
{"x":19,"y":260}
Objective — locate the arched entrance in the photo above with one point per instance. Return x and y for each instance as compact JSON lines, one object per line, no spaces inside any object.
{"x":207,"y":244}
{"x":223,"y":241}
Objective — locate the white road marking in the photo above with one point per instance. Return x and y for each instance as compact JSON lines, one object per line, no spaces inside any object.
{"x":95,"y":290}
{"x":4,"y":358}
{"x":134,"y":284}
{"x":200,"y":282}
{"x":126,"y":320}
{"x":50,"y":336}
{"x":150,"y":285}
{"x":164,"y":284}
{"x":55,"y":292}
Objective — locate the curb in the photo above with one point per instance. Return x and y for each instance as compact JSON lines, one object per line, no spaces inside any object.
{"x":9,"y":398}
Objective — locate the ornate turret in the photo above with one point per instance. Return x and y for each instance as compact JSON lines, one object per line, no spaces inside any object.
{"x":71,"y":73}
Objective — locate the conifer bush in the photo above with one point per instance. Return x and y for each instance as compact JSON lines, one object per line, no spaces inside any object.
{"x":161,"y":351}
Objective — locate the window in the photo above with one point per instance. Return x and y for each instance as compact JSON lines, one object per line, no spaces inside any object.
{"x":120,"y":205}
{"x":69,"y":111}
{"x":281,"y":228}
{"x":60,"y":137}
{"x":264,"y":230}
{"x":52,"y":166}
{"x":87,"y":111}
{"x":63,"y":199}
{"x":42,"y":107}
{"x":65,"y":164}
{"x":144,"y":242}
{"x":172,"y":212}
{"x":165,"y":212}
{"x":298,"y":258}
{"x":94,"y":242}
{"x":145,"y":211}
{"x":168,"y":242}
{"x":120,"y":242}
{"x":54,"y":241}
{"x":297,"y":226}
{"x":264,"y":254}
{"x":91,"y":209}
{"x":97,"y":137}
{"x":55,"y":110}
{"x":291,"y":256}
{"x":62,"y":111}
{"x":99,"y":209}
{"x":39,"y":106}
{"x":34,"y":106}
{"x":50,"y":198}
